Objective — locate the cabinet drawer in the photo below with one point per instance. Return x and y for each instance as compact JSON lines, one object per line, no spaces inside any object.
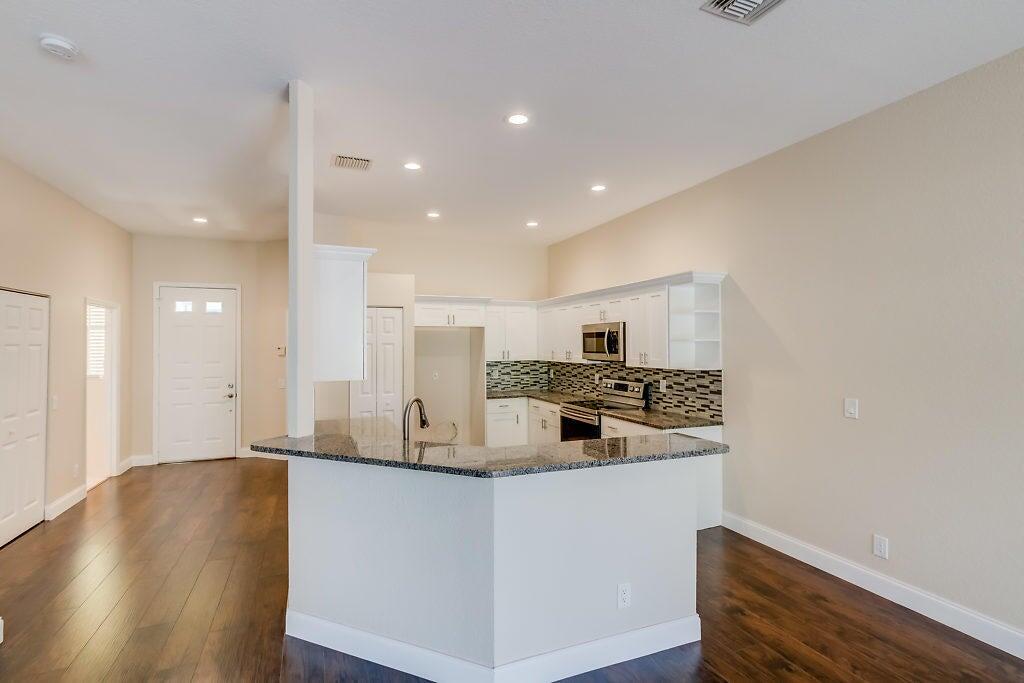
{"x":505,"y":405}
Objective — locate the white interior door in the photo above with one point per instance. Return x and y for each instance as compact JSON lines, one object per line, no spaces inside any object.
{"x":196,"y":373}
{"x":362,"y":399}
{"x":24,"y":346}
{"x":380,"y":394}
{"x":389,"y":364}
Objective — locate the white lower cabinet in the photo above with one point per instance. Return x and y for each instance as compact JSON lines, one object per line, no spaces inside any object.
{"x":507,"y":422}
{"x":708,"y":467}
{"x":545,"y":422}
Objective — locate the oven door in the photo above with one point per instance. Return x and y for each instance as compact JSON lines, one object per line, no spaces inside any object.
{"x":579,"y":426}
{"x":604,"y":341}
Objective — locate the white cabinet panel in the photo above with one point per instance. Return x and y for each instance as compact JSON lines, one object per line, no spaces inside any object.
{"x":546,"y":335}
{"x":657,"y":330}
{"x":431,"y":313}
{"x":468,"y":315}
{"x":506,"y":422}
{"x":545,"y":422}
{"x":494,"y":333}
{"x":521,"y":332}
{"x":510,"y":332}
{"x":636,"y":330}
{"x":339,"y":312}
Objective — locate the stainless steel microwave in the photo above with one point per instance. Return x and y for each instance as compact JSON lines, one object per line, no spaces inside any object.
{"x":605,"y":341}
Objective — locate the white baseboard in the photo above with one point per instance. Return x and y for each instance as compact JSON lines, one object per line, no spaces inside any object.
{"x":135,"y":461}
{"x":64,"y":503}
{"x":977,"y":625}
{"x":246,"y":452}
{"x":547,"y":667}
{"x":554,"y":666}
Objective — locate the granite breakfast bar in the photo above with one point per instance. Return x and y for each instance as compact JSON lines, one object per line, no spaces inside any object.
{"x":467,"y":563}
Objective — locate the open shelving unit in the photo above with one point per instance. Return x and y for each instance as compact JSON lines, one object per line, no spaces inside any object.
{"x":695,"y":322}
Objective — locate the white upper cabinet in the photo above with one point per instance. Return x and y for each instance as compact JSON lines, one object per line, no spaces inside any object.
{"x":339,"y":312}
{"x":510,"y":332}
{"x":449,"y":312}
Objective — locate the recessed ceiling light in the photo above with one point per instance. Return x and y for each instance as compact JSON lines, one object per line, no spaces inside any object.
{"x":532,"y":224}
{"x":598,"y":188}
{"x":433,"y":214}
{"x":517,"y":119}
{"x":200,"y":219}
{"x":58,"y":45}
{"x":412,"y":166}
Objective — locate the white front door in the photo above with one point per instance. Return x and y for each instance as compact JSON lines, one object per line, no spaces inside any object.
{"x":198,"y":388}
{"x":380,"y":394}
{"x":24,"y":342}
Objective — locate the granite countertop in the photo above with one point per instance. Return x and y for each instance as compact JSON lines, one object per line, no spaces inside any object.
{"x":372,"y":442}
{"x":656,"y":419}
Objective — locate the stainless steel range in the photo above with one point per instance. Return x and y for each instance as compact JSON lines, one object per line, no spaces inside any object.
{"x":582,"y":419}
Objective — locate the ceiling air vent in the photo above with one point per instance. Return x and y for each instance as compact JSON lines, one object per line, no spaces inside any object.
{"x":355,"y":163}
{"x":743,"y":11}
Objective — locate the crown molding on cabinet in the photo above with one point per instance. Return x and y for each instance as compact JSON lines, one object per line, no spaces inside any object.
{"x":691,"y":276}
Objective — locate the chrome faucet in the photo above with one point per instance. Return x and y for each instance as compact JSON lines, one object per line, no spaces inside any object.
{"x":424,"y":422}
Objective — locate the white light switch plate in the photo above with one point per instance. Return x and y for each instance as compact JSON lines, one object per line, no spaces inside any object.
{"x":851,"y":408}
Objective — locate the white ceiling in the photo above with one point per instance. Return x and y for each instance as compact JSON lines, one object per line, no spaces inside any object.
{"x":177,"y":109}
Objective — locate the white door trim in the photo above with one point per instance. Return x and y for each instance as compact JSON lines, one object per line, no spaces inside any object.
{"x":156,"y":355}
{"x":114,"y":456}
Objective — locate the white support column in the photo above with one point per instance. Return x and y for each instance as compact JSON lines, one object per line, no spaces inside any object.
{"x":300,"y":259}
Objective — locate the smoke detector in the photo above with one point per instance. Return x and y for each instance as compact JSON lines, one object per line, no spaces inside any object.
{"x":354,"y":163}
{"x":743,"y":11}
{"x":58,"y":45}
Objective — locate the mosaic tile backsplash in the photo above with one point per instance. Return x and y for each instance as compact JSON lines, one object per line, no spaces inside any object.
{"x":692,"y":392}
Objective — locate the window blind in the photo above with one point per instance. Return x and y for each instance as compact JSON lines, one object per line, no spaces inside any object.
{"x":96,"y":341}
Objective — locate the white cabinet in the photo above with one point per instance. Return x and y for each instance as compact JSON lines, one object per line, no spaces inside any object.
{"x":612,"y":427}
{"x":510,"y":332}
{"x":547,"y":337}
{"x":339,"y":312}
{"x":647,"y":329}
{"x":441,"y":312}
{"x":545,"y":422}
{"x":507,"y":423}
{"x":559,"y":334}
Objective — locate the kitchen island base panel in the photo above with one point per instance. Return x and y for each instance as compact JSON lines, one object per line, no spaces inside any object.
{"x":435,"y":666}
{"x":493,"y":573}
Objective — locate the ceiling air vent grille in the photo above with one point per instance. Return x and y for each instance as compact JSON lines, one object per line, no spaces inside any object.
{"x":743,"y":11}
{"x":355,"y":163}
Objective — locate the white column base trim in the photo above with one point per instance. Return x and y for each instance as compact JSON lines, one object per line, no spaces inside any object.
{"x":977,"y":625}
{"x":435,"y":666}
{"x":247,"y":452}
{"x":64,"y":503}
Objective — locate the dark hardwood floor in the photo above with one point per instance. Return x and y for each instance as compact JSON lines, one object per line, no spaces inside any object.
{"x":180,"y":572}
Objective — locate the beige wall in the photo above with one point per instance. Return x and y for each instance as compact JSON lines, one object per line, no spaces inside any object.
{"x":883,"y":260}
{"x":261,"y":268}
{"x":443,"y":263}
{"x":51,"y":244}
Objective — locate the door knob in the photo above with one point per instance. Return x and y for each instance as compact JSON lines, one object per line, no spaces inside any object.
{"x":230,"y":396}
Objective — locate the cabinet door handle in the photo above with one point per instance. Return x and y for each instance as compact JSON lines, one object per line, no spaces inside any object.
{"x":517,"y":418}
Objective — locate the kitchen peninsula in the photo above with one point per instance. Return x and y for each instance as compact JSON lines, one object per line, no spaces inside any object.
{"x":469,"y":563}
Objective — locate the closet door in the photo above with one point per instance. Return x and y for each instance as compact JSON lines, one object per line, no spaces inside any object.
{"x":390,"y":356}
{"x":24,"y":341}
{"x":362,"y":397}
{"x":380,"y":394}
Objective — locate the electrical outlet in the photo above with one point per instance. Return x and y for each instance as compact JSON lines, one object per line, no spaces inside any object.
{"x":851,"y":408}
{"x":625,"y":596}
{"x":597,"y":379}
{"x":551,"y":374}
{"x":880,"y":546}
{"x":663,"y":385}
{"x":435,"y":375}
